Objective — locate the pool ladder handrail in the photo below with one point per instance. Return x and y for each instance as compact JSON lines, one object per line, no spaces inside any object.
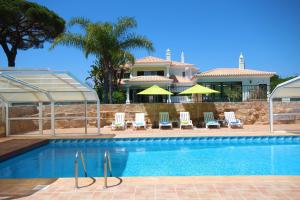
{"x":107,"y":164}
{"x":78,"y":155}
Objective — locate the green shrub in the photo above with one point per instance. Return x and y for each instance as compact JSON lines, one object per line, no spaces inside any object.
{"x":119,"y":97}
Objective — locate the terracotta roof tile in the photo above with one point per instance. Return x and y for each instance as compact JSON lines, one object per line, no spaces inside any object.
{"x":235,"y":72}
{"x":175,"y":63}
{"x":150,"y":59}
{"x":180,"y":79}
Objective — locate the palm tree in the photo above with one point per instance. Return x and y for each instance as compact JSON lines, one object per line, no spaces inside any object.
{"x":111,"y":43}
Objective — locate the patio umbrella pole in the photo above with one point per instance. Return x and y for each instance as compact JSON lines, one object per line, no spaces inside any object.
{"x":155,"y":90}
{"x":198,"y":89}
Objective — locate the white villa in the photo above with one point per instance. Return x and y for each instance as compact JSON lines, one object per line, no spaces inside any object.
{"x":234,"y":84}
{"x":166,"y":73}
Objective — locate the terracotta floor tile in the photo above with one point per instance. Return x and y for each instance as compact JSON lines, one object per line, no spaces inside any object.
{"x":160,"y":188}
{"x":123,"y":195}
{"x":144,"y":192}
{"x":187,"y":195}
{"x":60,"y":196}
{"x":81,"y":195}
{"x":226,"y":187}
{"x":248,"y":192}
{"x":254,"y":198}
{"x":231,"y":197}
{"x":209,"y":196}
{"x":165,"y":188}
{"x":149,"y":196}
{"x":146,"y":187}
{"x":205,"y":187}
{"x":102,"y":195}
{"x":165,"y":195}
{"x":185,"y":187}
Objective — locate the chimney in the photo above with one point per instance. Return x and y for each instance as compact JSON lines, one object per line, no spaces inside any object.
{"x":241,"y":61}
{"x":168,"y":55}
{"x":182,"y":57}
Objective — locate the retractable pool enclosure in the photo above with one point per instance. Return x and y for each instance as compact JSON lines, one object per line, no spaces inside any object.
{"x":286,"y":116}
{"x":38,"y":100}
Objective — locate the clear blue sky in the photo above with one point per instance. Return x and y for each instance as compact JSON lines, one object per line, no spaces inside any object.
{"x":212,"y":33}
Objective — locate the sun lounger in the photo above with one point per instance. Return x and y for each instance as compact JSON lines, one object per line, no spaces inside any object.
{"x":139,"y":121}
{"x":185,"y":120}
{"x":119,"y":122}
{"x":164,"y":120}
{"x":209,"y":120}
{"x":231,"y":121}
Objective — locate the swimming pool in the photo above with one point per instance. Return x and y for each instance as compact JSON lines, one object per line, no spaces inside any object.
{"x":198,"y":156}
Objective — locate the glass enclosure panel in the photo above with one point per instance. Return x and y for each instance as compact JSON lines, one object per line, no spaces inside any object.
{"x":76,"y":109}
{"x":24,"y":126}
{"x":92,"y":109}
{"x":286,"y":115}
{"x":2,"y":119}
{"x":25,"y":89}
{"x":24,"y":110}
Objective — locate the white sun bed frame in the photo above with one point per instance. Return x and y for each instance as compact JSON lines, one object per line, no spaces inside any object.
{"x":139,"y":121}
{"x":119,"y":122}
{"x":185,"y":117}
{"x":231,"y":121}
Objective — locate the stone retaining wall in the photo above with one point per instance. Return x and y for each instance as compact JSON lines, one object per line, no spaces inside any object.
{"x":248,"y":112}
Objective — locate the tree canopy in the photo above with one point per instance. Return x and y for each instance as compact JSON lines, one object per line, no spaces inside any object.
{"x":275,"y":80}
{"x":111,"y":43}
{"x":25,"y":25}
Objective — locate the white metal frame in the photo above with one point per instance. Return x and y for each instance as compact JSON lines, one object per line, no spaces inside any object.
{"x":8,"y":74}
{"x":272,"y":95}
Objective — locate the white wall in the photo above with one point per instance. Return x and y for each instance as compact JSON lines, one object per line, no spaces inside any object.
{"x":178,"y":71}
{"x":172,"y":70}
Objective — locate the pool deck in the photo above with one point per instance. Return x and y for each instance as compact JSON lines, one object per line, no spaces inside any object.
{"x":106,"y":132}
{"x":13,"y":147}
{"x":156,"y":188}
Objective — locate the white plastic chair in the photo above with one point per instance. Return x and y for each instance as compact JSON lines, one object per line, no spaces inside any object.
{"x":164,"y":120}
{"x":209,"y":120}
{"x":231,"y":121}
{"x":139,"y":120}
{"x":185,"y":119}
{"x":119,"y":121}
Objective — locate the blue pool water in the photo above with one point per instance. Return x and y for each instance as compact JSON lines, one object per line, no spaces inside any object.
{"x":162,"y":157}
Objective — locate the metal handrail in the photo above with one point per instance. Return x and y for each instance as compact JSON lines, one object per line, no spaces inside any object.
{"x":106,"y":162}
{"x":78,"y":155}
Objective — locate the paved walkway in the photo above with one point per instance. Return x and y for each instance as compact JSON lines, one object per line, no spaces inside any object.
{"x":156,"y":188}
{"x":106,"y":132}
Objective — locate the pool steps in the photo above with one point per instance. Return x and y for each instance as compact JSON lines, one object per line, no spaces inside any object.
{"x":79,"y":155}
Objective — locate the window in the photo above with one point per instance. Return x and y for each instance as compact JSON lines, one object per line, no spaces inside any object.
{"x":126,"y":75}
{"x":183,"y":74}
{"x":160,"y":73}
{"x":150,"y":73}
{"x":263,"y":91}
{"x":229,"y":91}
{"x":140,"y":73}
